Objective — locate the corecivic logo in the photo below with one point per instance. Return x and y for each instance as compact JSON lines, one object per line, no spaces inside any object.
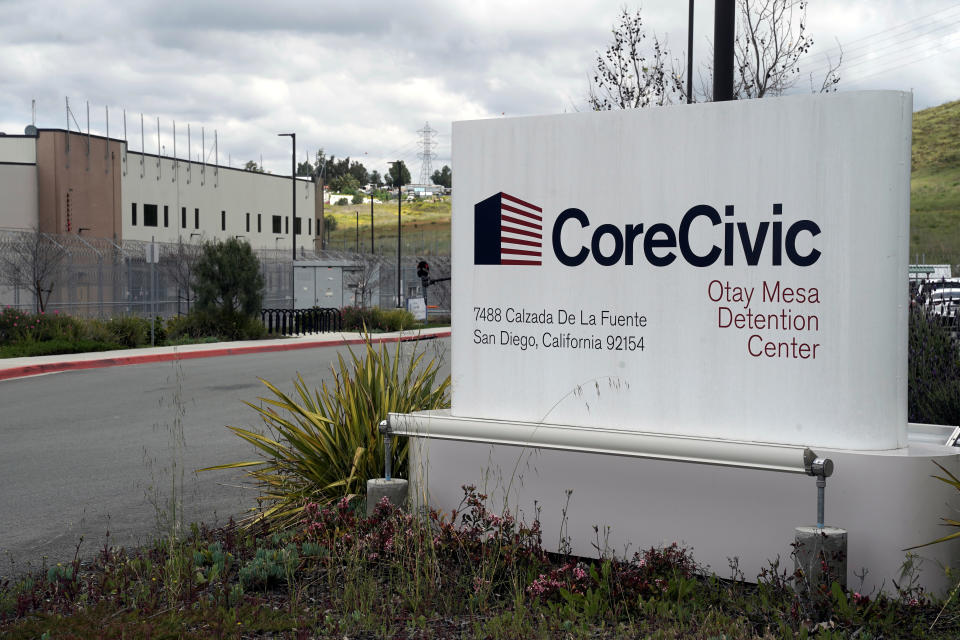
{"x":508,"y":230}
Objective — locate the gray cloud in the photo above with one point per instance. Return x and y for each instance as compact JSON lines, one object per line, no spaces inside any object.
{"x":359,"y":79}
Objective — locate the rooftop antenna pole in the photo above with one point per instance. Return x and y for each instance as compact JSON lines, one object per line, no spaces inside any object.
{"x":176,"y":165}
{"x":216,"y":160}
{"x":33,"y":111}
{"x":189,"y":158}
{"x":126,"y":144}
{"x":158,"y":147}
{"x":66,"y":100}
{"x":106,"y":151}
{"x":88,"y":134}
{"x":142,"y":150}
{"x":203,"y":157}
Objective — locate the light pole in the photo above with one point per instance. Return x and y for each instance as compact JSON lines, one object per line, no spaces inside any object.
{"x":293,"y":200}
{"x":399,"y":165}
{"x":293,"y":182}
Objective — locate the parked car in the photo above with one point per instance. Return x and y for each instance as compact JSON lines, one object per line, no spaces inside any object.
{"x":944,"y":302}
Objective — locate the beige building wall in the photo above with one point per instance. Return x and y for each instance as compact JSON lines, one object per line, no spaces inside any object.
{"x":200,"y":202}
{"x":18,"y":182}
{"x":78,"y":184}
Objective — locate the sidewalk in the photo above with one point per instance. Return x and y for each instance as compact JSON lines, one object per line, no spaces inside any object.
{"x":20,"y":367}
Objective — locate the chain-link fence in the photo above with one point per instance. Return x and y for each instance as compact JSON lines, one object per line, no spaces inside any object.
{"x":96,"y":277}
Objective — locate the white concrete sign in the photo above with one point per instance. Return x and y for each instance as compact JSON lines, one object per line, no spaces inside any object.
{"x":729,"y":270}
{"x":418,"y":308}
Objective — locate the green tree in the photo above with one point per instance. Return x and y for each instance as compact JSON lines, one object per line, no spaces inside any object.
{"x":344,"y":183}
{"x":359,"y":172}
{"x":398,"y":175}
{"x":443,"y":177}
{"x":375,"y":178}
{"x":357,"y":198}
{"x":253,"y":166}
{"x":228,"y":283}
{"x":305,"y":169}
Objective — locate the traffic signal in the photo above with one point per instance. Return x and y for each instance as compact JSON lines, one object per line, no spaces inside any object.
{"x":423,"y":272}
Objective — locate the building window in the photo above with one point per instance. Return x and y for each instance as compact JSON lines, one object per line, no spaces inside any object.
{"x":166,"y":216}
{"x":276,"y":224}
{"x":149,"y":215}
{"x":309,"y":222}
{"x":183,"y":217}
{"x":223,"y":221}
{"x":259,"y":228}
{"x":248,"y":222}
{"x":196,"y":218}
{"x":296,"y":226}
{"x":286,"y":224}
{"x":133,"y":214}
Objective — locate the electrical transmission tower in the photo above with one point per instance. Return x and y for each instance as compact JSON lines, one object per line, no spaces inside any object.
{"x":426,"y":156}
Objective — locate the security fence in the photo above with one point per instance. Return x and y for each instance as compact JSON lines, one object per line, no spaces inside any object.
{"x":97,"y":277}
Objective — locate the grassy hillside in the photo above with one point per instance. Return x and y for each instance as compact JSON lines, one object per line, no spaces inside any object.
{"x":426,"y":227}
{"x":935,"y":185}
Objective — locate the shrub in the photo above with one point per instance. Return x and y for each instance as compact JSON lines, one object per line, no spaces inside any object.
{"x":342,"y":202}
{"x":53,"y":347}
{"x":201,"y":324}
{"x":326,"y":445}
{"x":357,"y":198}
{"x":933,"y":372}
{"x":229,"y":288}
{"x":376,"y":319}
{"x":129,"y":331}
{"x":13,"y":325}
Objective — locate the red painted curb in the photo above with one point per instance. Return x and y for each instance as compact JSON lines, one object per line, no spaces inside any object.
{"x":52,"y":367}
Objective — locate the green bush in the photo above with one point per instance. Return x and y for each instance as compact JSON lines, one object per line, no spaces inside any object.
{"x":376,"y":319}
{"x":201,"y":324}
{"x":13,"y":325}
{"x":357,"y":198}
{"x":129,"y":331}
{"x":53,"y":347}
{"x":229,"y":288}
{"x":933,"y":372}
{"x":325,"y":445}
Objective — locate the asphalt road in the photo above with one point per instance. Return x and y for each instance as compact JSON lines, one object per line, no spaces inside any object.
{"x":84,"y":453}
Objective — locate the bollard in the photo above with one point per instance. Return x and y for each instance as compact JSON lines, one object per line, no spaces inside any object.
{"x":393,"y":489}
{"x":820,"y":552}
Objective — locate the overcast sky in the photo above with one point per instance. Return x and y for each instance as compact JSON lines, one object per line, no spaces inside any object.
{"x":360,"y":79}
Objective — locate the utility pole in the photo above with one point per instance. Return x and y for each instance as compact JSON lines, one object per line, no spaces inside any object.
{"x":690,"y":54}
{"x":724,"y":33}
{"x":399,"y":165}
{"x":293,"y":191}
{"x":371,"y":221}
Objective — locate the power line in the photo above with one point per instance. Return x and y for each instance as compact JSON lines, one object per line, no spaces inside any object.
{"x":894,"y":48}
{"x":929,"y":54}
{"x":852,"y":45}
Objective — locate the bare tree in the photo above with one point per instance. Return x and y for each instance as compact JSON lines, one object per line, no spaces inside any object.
{"x":178,"y":264}
{"x":771,"y":40}
{"x":365,"y":278}
{"x":627,"y":75}
{"x":31,"y":260}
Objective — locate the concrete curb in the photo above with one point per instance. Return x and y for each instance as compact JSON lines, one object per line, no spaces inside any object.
{"x":93,"y":362}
